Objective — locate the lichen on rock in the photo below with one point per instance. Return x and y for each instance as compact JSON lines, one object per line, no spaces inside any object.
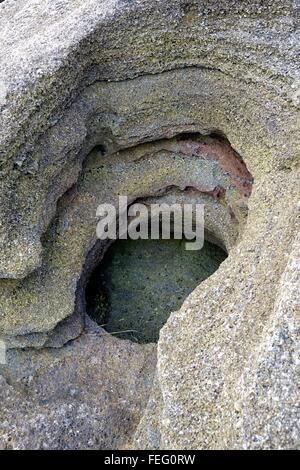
{"x":176,"y":100}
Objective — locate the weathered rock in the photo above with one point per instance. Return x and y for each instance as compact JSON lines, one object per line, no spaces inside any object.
{"x":33,"y":307}
{"x":80,"y":396}
{"x":44,"y":137}
{"x":238,"y":388}
{"x":157,"y":86}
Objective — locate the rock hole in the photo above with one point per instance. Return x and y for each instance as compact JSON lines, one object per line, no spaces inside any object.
{"x":100,"y":149}
{"x":132,"y":292}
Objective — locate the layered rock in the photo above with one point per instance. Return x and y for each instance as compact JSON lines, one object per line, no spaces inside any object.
{"x":205,"y":169}
{"x":183,"y":100}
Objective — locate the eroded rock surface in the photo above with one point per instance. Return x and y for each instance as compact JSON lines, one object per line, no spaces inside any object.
{"x":78,"y":397}
{"x":180,"y":100}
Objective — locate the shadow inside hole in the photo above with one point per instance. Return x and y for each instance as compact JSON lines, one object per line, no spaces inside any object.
{"x":100,"y":149}
{"x":140,"y":282}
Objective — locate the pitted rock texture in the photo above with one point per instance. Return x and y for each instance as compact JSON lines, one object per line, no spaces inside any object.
{"x":129,"y":78}
{"x":46,"y":133}
{"x":78,"y":397}
{"x":49,"y":298}
{"x":244,"y":364}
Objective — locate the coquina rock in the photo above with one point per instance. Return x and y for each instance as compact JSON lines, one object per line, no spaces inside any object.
{"x":174,"y":100}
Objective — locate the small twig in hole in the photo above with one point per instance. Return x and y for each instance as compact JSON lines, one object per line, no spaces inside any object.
{"x":121,"y":331}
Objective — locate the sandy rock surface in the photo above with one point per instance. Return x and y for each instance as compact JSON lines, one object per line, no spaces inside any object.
{"x":102,"y":97}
